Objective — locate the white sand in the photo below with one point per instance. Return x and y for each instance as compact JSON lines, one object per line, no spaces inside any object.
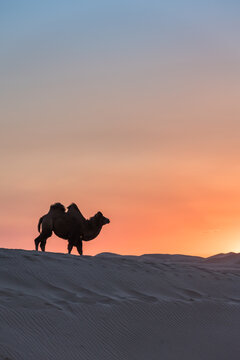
{"x":57,"y":306}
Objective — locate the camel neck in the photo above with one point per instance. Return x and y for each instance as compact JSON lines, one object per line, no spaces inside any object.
{"x":92,"y":231}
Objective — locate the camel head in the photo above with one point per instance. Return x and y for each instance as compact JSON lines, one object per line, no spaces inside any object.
{"x":102,"y":220}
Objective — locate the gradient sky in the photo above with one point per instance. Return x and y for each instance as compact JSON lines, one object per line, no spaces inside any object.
{"x":128,"y":107}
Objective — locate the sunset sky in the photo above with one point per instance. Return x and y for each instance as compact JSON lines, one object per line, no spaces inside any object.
{"x":130,"y":107}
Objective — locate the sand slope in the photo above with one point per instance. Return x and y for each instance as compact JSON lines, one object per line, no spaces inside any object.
{"x":56,"y":306}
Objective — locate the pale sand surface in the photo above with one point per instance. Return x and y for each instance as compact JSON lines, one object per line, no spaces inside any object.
{"x":57,"y":306}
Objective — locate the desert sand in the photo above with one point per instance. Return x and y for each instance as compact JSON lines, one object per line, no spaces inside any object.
{"x":169,"y":307}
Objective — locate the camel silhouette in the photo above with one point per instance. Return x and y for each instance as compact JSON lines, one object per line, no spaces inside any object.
{"x":70,"y":225}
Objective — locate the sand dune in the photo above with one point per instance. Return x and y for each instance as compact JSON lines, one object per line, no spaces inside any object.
{"x":170,"y":307}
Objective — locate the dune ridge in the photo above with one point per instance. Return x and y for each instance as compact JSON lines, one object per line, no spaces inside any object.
{"x":58,"y":306}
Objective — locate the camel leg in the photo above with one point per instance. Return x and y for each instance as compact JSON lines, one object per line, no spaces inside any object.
{"x":42,"y":239}
{"x":43,"y":244}
{"x":37,"y":241}
{"x":79,"y":247}
{"x":70,"y":246}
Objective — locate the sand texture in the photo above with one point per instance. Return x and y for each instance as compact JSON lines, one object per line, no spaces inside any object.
{"x":107,"y":307}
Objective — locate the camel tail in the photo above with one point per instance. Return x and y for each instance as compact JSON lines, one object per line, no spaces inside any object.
{"x":39,"y":223}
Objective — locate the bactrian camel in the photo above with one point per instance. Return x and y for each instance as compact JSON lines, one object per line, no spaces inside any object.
{"x":70,"y":225}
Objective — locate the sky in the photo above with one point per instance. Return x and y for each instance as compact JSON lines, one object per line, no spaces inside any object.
{"x":126,"y":107}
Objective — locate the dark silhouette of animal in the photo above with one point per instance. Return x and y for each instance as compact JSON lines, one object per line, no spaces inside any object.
{"x":70,"y":225}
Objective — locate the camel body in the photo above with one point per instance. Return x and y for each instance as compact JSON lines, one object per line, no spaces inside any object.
{"x":70,"y":225}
